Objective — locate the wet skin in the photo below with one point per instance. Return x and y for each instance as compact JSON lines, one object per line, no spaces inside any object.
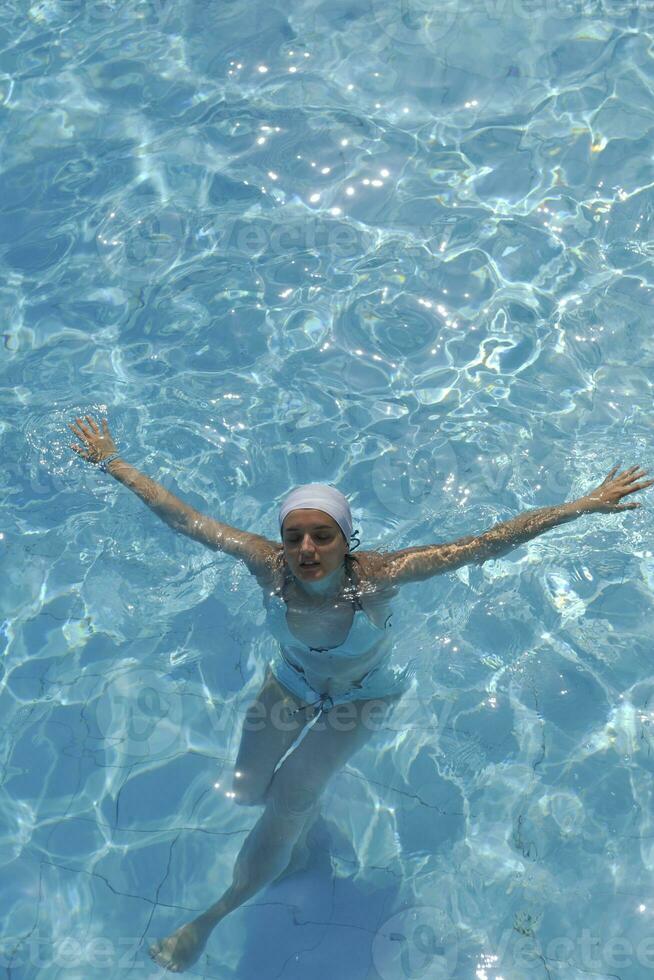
{"x":314,"y":545}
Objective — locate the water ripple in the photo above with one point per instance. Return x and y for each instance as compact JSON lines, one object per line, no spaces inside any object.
{"x":403,"y":251}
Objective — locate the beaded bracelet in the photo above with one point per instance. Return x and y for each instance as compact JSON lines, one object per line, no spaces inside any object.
{"x":104,"y":463}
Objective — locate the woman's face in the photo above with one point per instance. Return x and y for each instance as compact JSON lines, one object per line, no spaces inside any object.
{"x":314,"y":545}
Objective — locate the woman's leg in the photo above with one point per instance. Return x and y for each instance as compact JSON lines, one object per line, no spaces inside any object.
{"x":263,"y":745}
{"x":290,"y":801}
{"x":268,"y":732}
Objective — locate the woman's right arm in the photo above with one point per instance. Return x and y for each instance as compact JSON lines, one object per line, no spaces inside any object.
{"x":258,"y":553}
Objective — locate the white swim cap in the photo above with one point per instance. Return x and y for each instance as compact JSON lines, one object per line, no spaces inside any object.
{"x":318,"y":496}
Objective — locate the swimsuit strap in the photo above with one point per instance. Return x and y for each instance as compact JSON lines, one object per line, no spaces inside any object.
{"x":356,"y":600}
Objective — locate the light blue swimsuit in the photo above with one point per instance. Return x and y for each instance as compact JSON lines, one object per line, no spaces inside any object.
{"x":356,"y":669}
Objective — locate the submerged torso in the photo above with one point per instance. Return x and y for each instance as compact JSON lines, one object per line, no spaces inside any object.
{"x":334,"y":643}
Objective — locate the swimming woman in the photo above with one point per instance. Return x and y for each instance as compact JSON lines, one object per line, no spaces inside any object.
{"x":329,"y":610}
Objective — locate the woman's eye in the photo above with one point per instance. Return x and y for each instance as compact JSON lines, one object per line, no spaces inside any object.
{"x":318,"y":537}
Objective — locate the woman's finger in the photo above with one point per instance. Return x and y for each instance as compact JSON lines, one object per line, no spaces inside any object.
{"x":105,"y":427}
{"x":607,"y":478}
{"x":76,"y":432}
{"x":79,"y":450}
{"x":92,"y":424}
{"x":639,"y":486}
{"x":638,"y":475}
{"x":85,"y":431}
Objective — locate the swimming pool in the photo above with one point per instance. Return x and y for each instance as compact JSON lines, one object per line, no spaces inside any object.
{"x":403,"y":251}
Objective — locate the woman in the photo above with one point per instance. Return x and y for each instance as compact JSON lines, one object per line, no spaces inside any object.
{"x":330,"y":613}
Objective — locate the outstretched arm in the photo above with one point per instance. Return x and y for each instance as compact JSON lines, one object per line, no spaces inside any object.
{"x":257,"y":552}
{"x":416,"y":564}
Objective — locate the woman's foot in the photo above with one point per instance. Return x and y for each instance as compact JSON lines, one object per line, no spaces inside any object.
{"x":182,"y":948}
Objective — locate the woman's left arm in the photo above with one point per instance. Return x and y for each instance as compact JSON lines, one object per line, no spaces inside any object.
{"x":416,"y":564}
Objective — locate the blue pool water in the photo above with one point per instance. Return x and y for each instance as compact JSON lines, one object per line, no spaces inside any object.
{"x":403,"y":248}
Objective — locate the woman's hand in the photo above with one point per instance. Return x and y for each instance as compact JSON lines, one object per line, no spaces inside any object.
{"x":605,"y":499}
{"x":96,"y":445}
